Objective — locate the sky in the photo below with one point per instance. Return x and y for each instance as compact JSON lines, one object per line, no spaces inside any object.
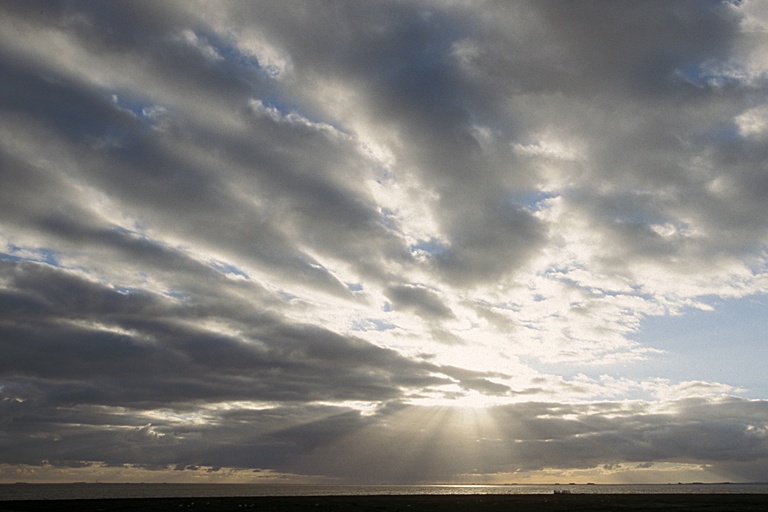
{"x":383,"y":241}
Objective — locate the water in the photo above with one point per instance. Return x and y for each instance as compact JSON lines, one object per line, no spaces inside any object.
{"x":96,"y":491}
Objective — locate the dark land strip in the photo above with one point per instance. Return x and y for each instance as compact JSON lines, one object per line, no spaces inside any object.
{"x":443,"y":503}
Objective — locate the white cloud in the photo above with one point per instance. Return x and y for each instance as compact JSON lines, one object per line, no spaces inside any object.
{"x":188,"y":36}
{"x":343,"y":216}
{"x":753,"y":122}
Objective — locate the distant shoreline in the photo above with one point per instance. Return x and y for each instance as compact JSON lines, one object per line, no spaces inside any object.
{"x":444,"y":503}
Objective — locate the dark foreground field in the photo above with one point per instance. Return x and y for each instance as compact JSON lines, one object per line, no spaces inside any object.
{"x":443,"y":503}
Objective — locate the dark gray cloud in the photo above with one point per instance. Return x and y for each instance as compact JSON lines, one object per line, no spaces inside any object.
{"x":420,"y":300}
{"x":282,"y":237}
{"x":535,"y":436}
{"x":432,"y":444}
{"x":134,"y":347}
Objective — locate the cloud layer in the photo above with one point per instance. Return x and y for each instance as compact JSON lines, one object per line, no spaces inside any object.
{"x":285,"y":238}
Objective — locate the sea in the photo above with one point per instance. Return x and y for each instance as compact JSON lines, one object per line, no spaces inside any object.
{"x":21,"y":491}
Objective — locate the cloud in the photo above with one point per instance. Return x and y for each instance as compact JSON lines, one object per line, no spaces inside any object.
{"x":340,"y":442}
{"x":424,"y":302}
{"x":155,"y":343}
{"x":241,"y":236}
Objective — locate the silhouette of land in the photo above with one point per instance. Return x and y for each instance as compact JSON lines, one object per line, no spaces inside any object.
{"x":442,"y":503}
